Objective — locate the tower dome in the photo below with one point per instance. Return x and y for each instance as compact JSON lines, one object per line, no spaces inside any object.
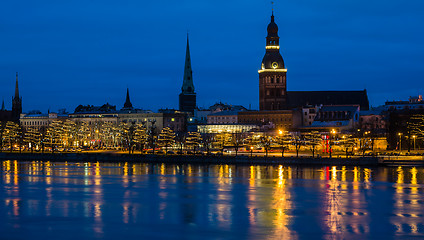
{"x":272,"y":58}
{"x":272,"y":28}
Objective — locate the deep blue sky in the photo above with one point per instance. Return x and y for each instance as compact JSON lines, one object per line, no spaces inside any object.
{"x":88,"y":51}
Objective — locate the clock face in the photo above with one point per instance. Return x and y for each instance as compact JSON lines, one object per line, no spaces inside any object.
{"x":274,"y":65}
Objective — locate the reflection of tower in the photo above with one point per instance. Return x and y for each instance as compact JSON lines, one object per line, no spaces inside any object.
{"x":187,"y":95}
{"x":272,"y":76}
{"x":16,"y":102}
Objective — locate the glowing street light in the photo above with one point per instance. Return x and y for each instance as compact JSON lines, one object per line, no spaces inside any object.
{"x":413,"y":136}
{"x":400,"y":142}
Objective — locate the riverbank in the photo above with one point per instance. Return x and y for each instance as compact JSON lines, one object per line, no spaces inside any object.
{"x":189,"y":159}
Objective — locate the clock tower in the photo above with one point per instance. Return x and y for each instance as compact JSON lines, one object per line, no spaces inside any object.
{"x":272,"y":75}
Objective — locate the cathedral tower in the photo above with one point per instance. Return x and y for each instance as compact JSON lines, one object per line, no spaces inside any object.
{"x":272,"y":76}
{"x":16,"y":103}
{"x":187,"y":95}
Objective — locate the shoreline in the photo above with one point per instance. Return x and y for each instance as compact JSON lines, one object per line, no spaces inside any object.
{"x":191,"y":159}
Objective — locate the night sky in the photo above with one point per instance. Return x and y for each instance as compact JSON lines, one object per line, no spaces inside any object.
{"x":89,"y":51}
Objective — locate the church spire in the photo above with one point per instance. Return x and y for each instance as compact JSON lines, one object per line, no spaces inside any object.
{"x":187,"y":96}
{"x":128,"y":104}
{"x":16,"y":87}
{"x":188,"y":86}
{"x":16,"y":102}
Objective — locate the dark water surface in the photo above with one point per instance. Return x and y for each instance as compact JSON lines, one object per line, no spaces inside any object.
{"x":45,"y":200}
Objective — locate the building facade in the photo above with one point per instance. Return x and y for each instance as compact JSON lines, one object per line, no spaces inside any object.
{"x":272,"y":75}
{"x":282,"y":119}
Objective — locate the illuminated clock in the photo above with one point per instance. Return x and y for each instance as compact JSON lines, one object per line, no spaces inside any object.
{"x":274,"y":65}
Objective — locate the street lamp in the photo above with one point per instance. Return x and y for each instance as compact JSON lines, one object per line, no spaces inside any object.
{"x":400,"y":142}
{"x":414,"y":140}
{"x":251,"y":151}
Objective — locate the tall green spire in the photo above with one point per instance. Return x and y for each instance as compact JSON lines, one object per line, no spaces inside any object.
{"x":188,"y":86}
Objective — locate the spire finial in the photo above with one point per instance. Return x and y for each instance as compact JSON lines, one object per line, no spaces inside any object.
{"x":272,"y":7}
{"x":2,"y":106}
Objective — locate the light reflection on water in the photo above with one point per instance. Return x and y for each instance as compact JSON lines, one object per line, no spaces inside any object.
{"x":113,"y":200}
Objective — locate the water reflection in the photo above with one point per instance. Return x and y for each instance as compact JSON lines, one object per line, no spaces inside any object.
{"x":273,"y":202}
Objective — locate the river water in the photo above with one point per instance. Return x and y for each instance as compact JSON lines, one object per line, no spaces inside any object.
{"x":46,"y":200}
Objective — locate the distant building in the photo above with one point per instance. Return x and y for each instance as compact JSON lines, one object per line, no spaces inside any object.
{"x":412,"y":103}
{"x":187,"y":98}
{"x":373,"y":120}
{"x":282,"y":119}
{"x":272,"y":75}
{"x":223,"y":117}
{"x":93,"y":115}
{"x":308,"y":114}
{"x":175,"y":120}
{"x":227,"y":128}
{"x":297,"y":99}
{"x":201,"y":115}
{"x":337,"y":117}
{"x":40,"y":121}
{"x":15,"y":113}
{"x":16,"y":103}
{"x":273,"y":94}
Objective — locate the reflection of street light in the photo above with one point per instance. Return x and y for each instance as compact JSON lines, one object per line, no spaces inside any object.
{"x":280,"y":132}
{"x":333,"y":131}
{"x":414,"y":140}
{"x":400,"y":142}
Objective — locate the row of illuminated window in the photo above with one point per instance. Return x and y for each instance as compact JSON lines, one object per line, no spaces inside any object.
{"x":35,"y":123}
{"x":275,"y":92}
{"x":255,"y":120}
{"x":275,"y":79}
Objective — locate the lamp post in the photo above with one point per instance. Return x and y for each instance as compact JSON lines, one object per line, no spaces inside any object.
{"x":251,"y":151}
{"x":414,"y":140}
{"x":400,"y":142}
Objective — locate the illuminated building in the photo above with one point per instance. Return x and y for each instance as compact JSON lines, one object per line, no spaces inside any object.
{"x":272,"y":75}
{"x":223,"y":117}
{"x":40,"y":121}
{"x":226,"y":128}
{"x":187,"y":98}
{"x":94,"y":115}
{"x":201,"y":115}
{"x":282,"y":119}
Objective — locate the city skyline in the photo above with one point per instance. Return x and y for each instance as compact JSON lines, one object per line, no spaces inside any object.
{"x":118,"y":48}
